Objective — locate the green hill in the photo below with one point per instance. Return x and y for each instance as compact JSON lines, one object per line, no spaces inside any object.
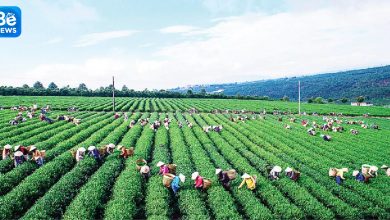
{"x":372,"y":83}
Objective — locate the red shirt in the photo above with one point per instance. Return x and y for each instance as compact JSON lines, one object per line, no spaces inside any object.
{"x":23,"y":150}
{"x":199,"y":182}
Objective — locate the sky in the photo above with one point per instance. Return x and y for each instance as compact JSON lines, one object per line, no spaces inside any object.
{"x":158,"y":44}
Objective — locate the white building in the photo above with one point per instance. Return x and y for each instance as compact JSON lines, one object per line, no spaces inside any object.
{"x":361,"y":104}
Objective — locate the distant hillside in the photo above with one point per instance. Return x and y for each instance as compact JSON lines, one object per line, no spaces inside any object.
{"x":373,"y":83}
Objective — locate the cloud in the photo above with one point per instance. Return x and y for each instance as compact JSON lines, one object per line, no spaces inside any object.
{"x":95,"y":38}
{"x":178,"y":29}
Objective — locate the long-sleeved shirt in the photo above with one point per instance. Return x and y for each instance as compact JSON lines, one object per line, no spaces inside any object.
{"x":199,"y":182}
{"x":250,"y":183}
{"x":175,"y":184}
{"x":223,"y":177}
{"x":164,"y":169}
{"x":95,"y":153}
{"x":360,"y":177}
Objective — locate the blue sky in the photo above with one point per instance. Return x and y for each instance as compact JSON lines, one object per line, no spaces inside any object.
{"x":164,"y":44}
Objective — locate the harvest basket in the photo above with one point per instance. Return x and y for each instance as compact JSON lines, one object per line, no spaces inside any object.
{"x":206,"y":184}
{"x":73,"y":152}
{"x":232,"y":174}
{"x":139,"y":163}
{"x":167,"y":179}
{"x":365,"y":168}
{"x":43,"y":153}
{"x":102,"y":151}
{"x":172,"y":168}
{"x":130,"y":152}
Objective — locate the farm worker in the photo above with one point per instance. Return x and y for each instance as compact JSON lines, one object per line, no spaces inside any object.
{"x":23,"y":149}
{"x":29,"y":115}
{"x":92,"y":151}
{"x":373,"y":171}
{"x":354,"y":132}
{"x":292,"y":174}
{"x":145,"y":172}
{"x":224,"y":178}
{"x":76,"y":121}
{"x":339,"y":174}
{"x":287,"y":127}
{"x":326,"y":137}
{"x":275,"y":172}
{"x":166,"y":125}
{"x":190,"y":125}
{"x":37,"y":156}
{"x":304,"y":123}
{"x":123,"y":152}
{"x":163,"y":168}
{"x":359,"y":176}
{"x":311,"y":131}
{"x":374,"y":126}
{"x":125,"y":116}
{"x":388,"y":172}
{"x":6,"y":151}
{"x":175,"y":184}
{"x":116,"y":115}
{"x":80,"y":154}
{"x":180,"y":124}
{"x":249,"y":180}
{"x":132,"y":123}
{"x":110,"y":148}
{"x":18,"y":158}
{"x":198,"y":180}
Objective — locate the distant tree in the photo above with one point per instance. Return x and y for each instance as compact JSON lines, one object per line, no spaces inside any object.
{"x":25,"y":86}
{"x":82,"y":87}
{"x":330,"y":100}
{"x":360,"y":99}
{"x":52,"y":86}
{"x":189,"y":92}
{"x":203,"y":92}
{"x":285,"y":98}
{"x":344,"y":100}
{"x":319,"y":100}
{"x":38,"y":85}
{"x":124,"y":88}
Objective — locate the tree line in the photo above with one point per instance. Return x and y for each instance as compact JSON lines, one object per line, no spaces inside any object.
{"x":82,"y":90}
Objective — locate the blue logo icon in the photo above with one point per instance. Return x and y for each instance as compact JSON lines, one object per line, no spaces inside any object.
{"x":10,"y":21}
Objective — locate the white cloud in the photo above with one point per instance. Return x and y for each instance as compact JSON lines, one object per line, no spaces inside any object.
{"x":95,"y":38}
{"x":178,"y":29}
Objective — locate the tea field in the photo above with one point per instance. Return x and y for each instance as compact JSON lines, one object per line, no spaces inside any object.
{"x":114,"y":189}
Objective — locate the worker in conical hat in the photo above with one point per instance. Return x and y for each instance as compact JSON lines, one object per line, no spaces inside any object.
{"x":123,"y":151}
{"x":37,"y":155}
{"x":326,"y":137}
{"x":110,"y":148}
{"x":6,"y":151}
{"x":145,"y":172}
{"x":274,"y":173}
{"x":249,"y":180}
{"x":292,"y":174}
{"x":163,"y":168}
{"x":18,"y":158}
{"x":175,"y":184}
{"x":80,"y":154}
{"x":359,"y":176}
{"x":223,"y":178}
{"x":23,"y":149}
{"x":198,"y":180}
{"x":339,"y":175}
{"x":93,"y":151}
